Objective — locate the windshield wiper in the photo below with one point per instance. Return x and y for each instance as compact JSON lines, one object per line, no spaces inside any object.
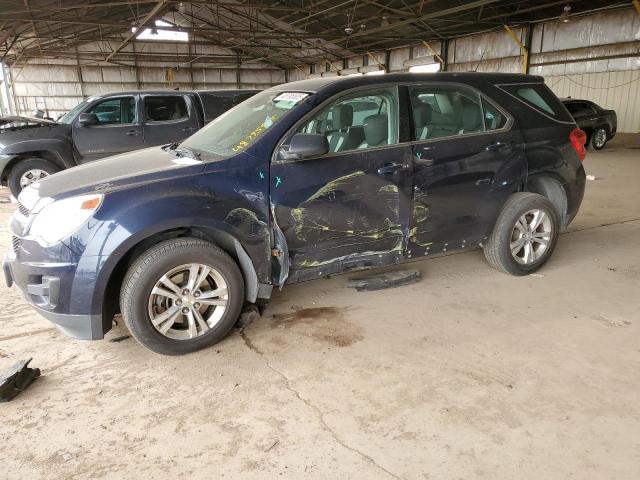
{"x":182,"y":151}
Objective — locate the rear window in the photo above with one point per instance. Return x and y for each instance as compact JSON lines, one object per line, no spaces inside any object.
{"x":538,"y":96}
{"x":216,"y":103}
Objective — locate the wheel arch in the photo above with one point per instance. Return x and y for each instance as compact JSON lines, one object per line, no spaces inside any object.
{"x":552,"y":188}
{"x":110,"y":295}
{"x":48,"y":155}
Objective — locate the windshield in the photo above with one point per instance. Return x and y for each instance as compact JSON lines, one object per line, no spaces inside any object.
{"x":71,"y":114}
{"x":240,"y":127}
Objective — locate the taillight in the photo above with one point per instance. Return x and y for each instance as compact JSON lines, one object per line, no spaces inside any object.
{"x":578,"y":138}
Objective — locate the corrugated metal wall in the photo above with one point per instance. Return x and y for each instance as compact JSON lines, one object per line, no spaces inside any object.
{"x":619,"y":91}
{"x":596,"y":57}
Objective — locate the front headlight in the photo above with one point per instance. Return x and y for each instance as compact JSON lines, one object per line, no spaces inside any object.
{"x":59,"y":219}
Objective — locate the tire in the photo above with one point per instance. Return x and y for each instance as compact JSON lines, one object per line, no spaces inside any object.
{"x":509,"y":231}
{"x":139,"y":303}
{"x":23,"y":167}
{"x":599,"y":138}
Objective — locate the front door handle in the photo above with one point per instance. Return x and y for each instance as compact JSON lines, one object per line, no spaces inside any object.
{"x":132,"y":133}
{"x":390,"y":168}
{"x":496,"y":146}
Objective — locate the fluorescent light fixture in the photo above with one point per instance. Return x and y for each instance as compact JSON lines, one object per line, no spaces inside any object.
{"x":420,"y":61}
{"x":350,"y":71}
{"x":155,"y":33}
{"x":371,"y":68}
{"x":376,"y":72}
{"x":430,"y":68}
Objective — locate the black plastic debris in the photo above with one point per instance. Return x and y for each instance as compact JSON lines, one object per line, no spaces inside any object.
{"x":249,"y":315}
{"x":385,"y":280}
{"x":17,"y":379}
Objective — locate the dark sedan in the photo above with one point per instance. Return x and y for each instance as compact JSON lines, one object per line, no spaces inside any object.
{"x":598,"y":123}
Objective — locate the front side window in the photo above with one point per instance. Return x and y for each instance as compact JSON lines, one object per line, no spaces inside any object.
{"x":445,"y":111}
{"x":165,"y":108}
{"x":358,"y":121}
{"x":240,"y":127}
{"x":115,"y":111}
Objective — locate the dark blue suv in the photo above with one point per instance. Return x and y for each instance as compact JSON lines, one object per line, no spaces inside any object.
{"x":303,"y":180}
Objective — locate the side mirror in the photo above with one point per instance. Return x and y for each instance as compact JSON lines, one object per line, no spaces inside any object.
{"x":306,"y":145}
{"x":88,"y":119}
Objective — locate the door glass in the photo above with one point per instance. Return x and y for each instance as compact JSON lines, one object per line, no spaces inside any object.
{"x":115,"y":111}
{"x":445,"y":111}
{"x":358,"y":121}
{"x":493,"y":118}
{"x":165,"y":109}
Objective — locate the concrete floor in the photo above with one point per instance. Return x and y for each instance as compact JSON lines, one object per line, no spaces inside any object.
{"x":468,"y":374}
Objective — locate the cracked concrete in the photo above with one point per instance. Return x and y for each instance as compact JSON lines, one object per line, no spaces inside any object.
{"x":317,"y":411}
{"x":467,"y":374}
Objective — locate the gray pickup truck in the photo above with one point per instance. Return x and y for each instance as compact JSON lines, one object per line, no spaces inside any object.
{"x":104,"y":125}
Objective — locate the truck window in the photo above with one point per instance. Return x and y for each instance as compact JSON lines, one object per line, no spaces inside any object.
{"x":165,"y":108}
{"x":114,"y":111}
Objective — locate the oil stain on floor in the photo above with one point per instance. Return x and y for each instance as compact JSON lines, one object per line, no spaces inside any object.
{"x":327,"y":325}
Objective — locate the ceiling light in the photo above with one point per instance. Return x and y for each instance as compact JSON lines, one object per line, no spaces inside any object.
{"x":566,"y":14}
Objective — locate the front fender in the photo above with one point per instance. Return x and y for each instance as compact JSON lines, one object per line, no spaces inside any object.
{"x":4,"y":161}
{"x":60,"y":149}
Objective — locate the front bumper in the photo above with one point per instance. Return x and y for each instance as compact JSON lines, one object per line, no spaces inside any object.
{"x":43,"y":288}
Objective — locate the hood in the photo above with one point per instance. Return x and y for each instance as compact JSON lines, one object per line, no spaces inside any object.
{"x":121,"y":171}
{"x":16,"y":122}
{"x":15,"y":130}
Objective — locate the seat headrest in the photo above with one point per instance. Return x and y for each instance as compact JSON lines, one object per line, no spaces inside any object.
{"x":342,"y":116}
{"x":376,"y":129}
{"x":422,"y":114}
{"x":471,"y":116}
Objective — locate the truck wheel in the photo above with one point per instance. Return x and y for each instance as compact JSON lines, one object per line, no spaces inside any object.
{"x":27,"y":171}
{"x":599,"y":138}
{"x":524,"y":235}
{"x":182,"y":295}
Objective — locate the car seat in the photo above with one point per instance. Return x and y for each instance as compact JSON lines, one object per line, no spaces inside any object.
{"x":376,"y":131}
{"x":422,"y":113}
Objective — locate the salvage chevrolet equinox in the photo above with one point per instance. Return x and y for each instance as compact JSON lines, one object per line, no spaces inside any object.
{"x":303,"y":180}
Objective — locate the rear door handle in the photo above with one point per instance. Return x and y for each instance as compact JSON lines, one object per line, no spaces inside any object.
{"x":494,"y":147}
{"x":390,"y":168}
{"x":132,"y":133}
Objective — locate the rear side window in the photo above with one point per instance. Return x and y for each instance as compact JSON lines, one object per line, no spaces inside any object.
{"x":216,"y":103}
{"x":165,"y":109}
{"x":494,"y":119}
{"x":539,"y":97}
{"x":446,"y":111}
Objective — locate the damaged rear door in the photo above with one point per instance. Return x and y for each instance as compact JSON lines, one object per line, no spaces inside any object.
{"x":350,"y":207}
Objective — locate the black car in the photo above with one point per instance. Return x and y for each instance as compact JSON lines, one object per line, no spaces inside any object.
{"x":104,"y":125}
{"x":599,"y":124}
{"x":303,"y":180}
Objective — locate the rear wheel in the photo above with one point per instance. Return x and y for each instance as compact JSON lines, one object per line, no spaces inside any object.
{"x":524,"y":236}
{"x":181,"y":296}
{"x":599,"y":138}
{"x":27,"y":171}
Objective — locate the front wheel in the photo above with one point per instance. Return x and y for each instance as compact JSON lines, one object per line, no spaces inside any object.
{"x":524,"y":235}
{"x":27,"y":171}
{"x":182,"y":295}
{"x":599,"y":138}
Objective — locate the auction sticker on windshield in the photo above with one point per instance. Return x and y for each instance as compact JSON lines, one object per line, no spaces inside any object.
{"x":288,"y":100}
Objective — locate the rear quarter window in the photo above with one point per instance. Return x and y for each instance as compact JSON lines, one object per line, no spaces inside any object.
{"x":539,"y":97}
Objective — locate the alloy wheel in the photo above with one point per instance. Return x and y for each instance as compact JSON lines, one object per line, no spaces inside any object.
{"x":600,"y":138}
{"x":188,"y":301}
{"x":32,"y":176}
{"x":531,"y":236}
